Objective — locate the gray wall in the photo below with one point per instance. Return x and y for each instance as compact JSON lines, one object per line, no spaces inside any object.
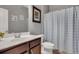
{"x":36,"y":28}
{"x":20,"y":25}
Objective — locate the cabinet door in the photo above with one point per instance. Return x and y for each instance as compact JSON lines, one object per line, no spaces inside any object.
{"x":36,"y":50}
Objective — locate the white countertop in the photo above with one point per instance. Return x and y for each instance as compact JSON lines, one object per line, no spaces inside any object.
{"x":16,"y":41}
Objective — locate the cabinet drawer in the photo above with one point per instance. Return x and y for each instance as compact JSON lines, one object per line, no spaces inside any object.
{"x":18,"y":50}
{"x":35,"y":42}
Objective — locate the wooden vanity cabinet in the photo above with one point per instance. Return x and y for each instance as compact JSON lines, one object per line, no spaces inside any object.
{"x":30,"y":47}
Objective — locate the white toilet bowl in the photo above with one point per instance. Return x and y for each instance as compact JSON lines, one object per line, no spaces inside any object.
{"x":47,"y":47}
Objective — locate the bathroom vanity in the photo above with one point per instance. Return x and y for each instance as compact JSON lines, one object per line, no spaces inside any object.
{"x":29,"y":45}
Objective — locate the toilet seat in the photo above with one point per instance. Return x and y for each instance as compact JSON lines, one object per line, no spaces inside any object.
{"x":47,"y":47}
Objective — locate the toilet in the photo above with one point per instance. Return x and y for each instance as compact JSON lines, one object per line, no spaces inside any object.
{"x":47,"y":48}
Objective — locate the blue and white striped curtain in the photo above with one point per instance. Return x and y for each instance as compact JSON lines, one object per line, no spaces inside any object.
{"x":54,"y":39}
{"x":68,"y":43}
{"x":76,"y":30}
{"x":62,"y":28}
{"x":60,"y":23}
{"x":48,"y":27}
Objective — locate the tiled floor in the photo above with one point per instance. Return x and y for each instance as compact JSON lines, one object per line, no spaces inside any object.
{"x":55,"y":51}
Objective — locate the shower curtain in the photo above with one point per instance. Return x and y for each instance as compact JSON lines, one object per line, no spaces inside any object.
{"x":54,"y":28}
{"x":76,"y":30}
{"x":61,"y":18}
{"x":48,"y":27}
{"x":58,"y":29}
{"x":62,"y":28}
{"x":68,"y":45}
